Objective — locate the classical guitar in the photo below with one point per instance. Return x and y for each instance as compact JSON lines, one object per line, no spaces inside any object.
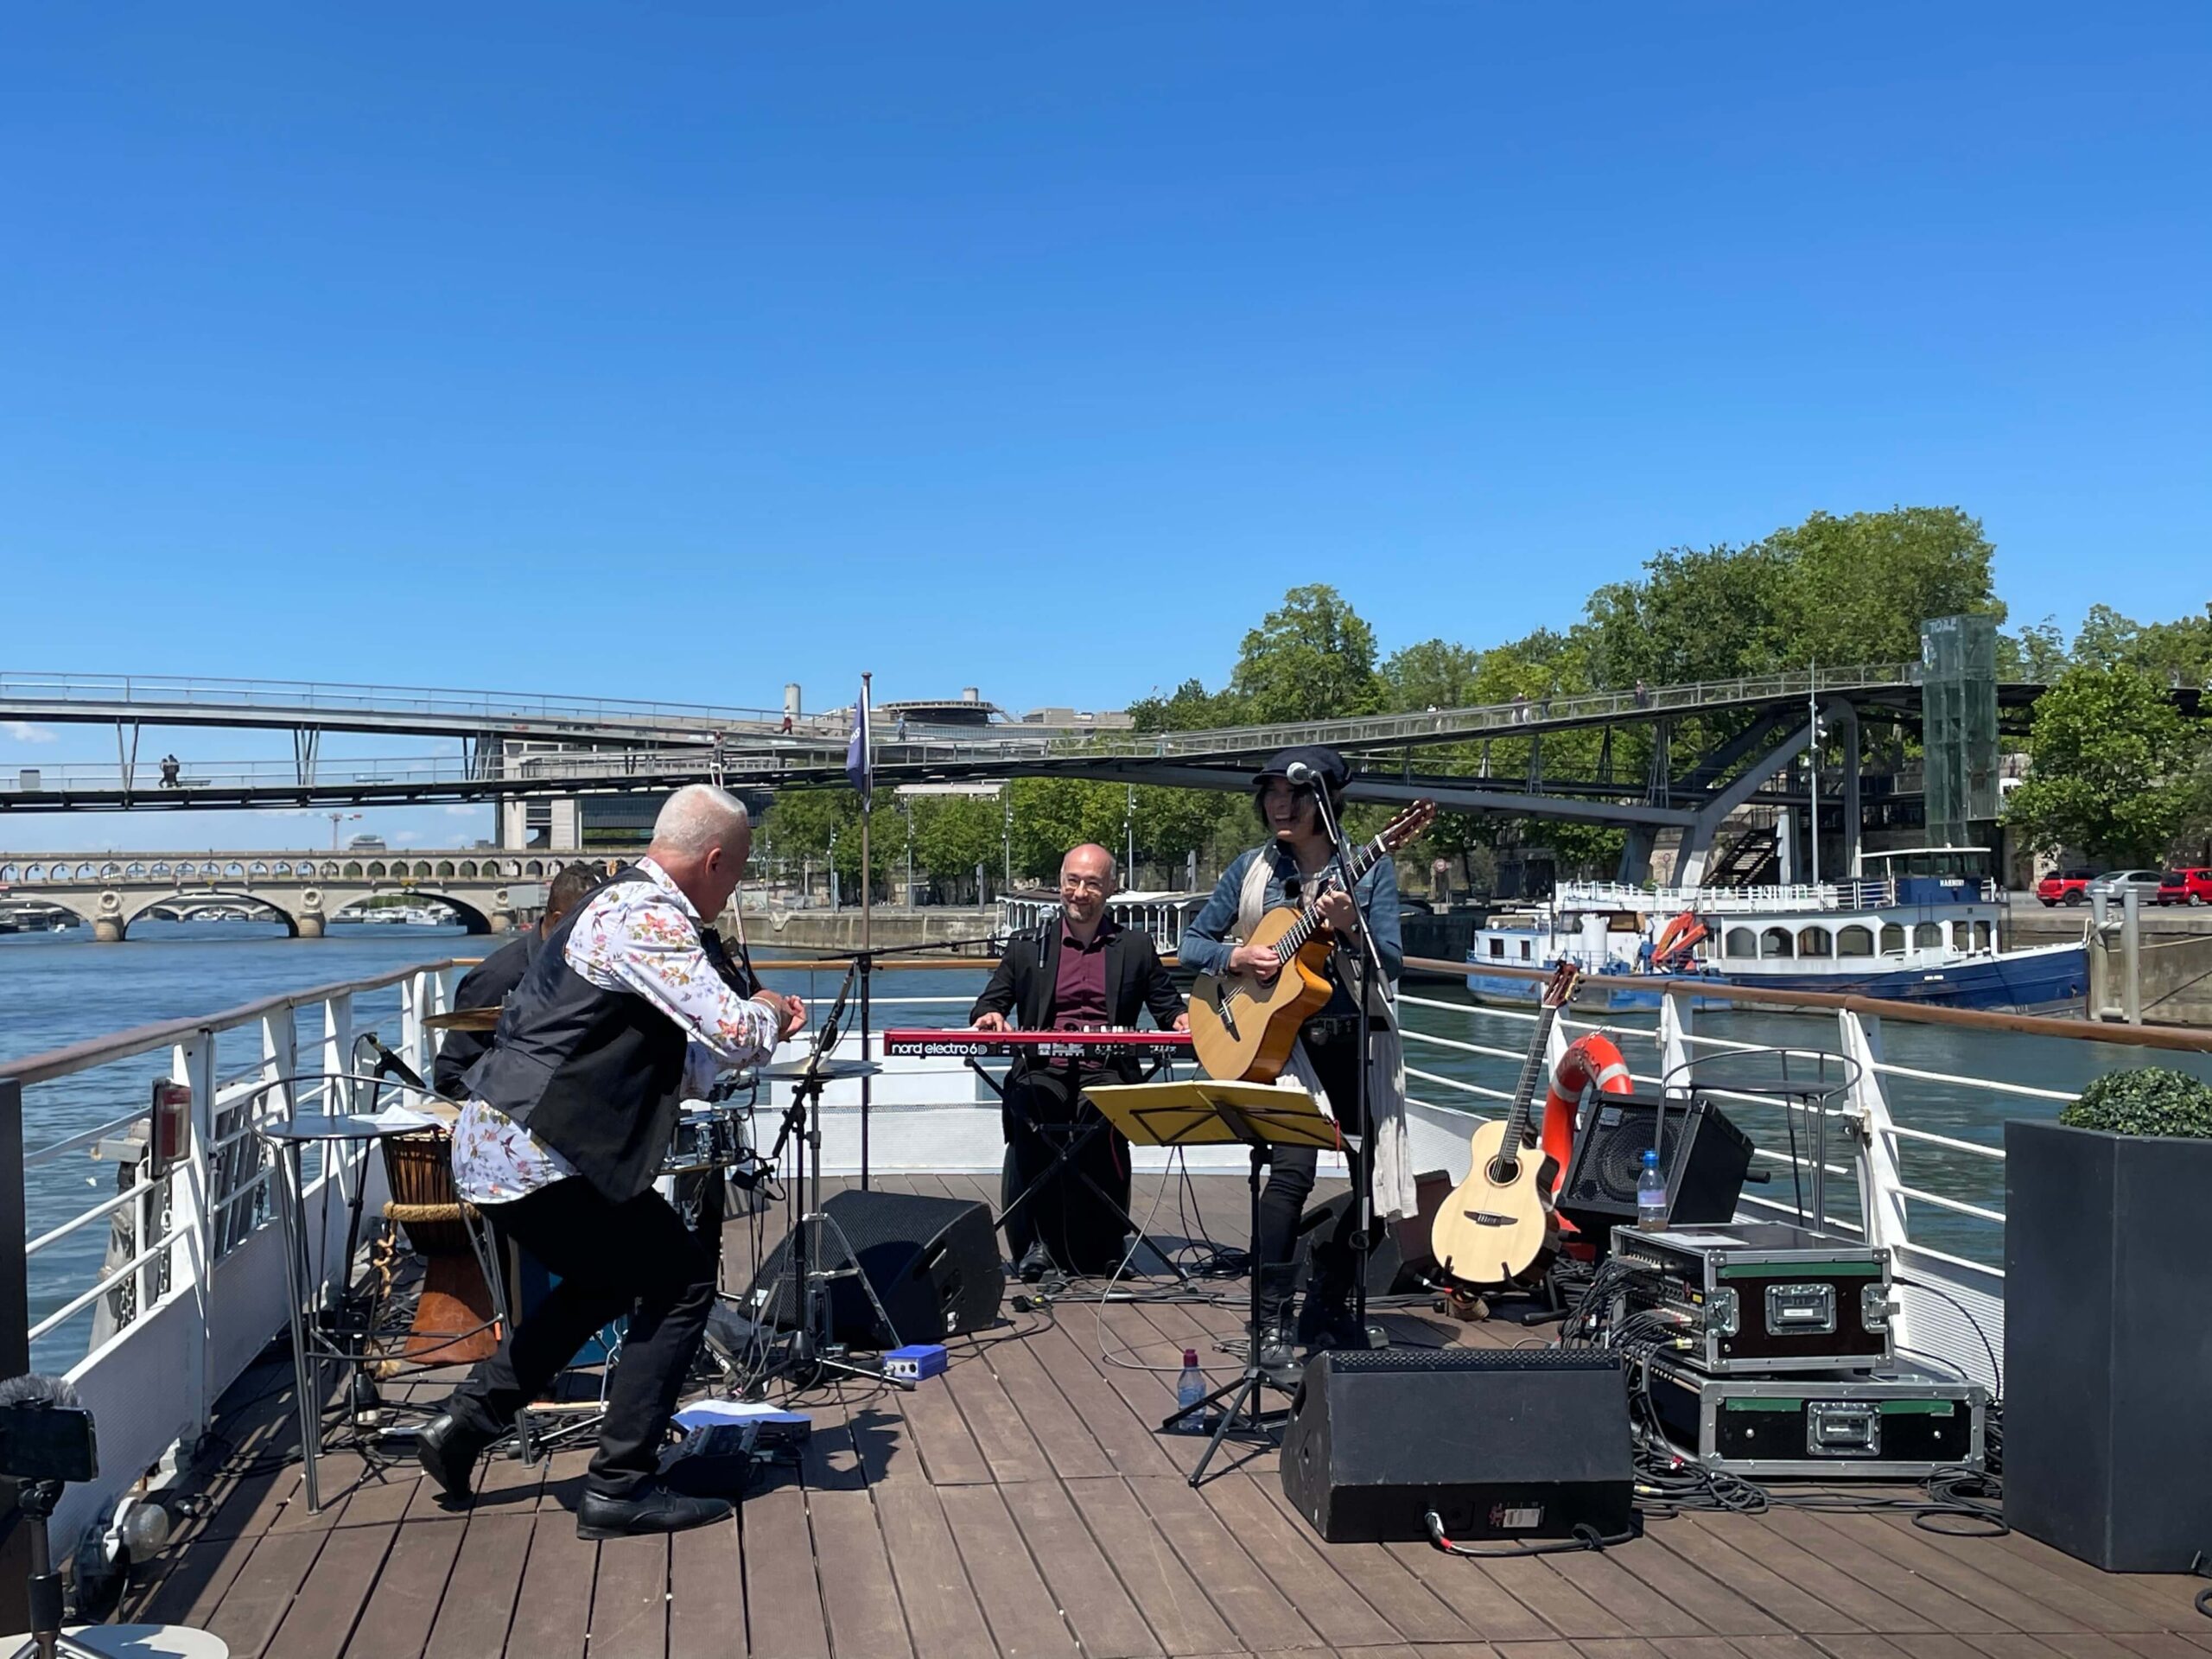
{"x":1243,"y":1026}
{"x":1497,"y":1225}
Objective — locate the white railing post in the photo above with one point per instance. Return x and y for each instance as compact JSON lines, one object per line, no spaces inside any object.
{"x":192,"y":1199}
{"x":1675,"y":1039}
{"x":337,"y":1049}
{"x":1881,"y":1196}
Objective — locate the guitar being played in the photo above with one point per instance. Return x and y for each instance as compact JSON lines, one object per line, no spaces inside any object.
{"x":1498,"y":1226}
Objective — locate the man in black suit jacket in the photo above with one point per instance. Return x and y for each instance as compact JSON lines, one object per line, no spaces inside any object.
{"x":487,"y":984}
{"x":1081,"y":970}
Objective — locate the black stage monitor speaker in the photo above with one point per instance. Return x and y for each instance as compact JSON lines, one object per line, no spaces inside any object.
{"x":1502,"y":1444}
{"x":1706,"y":1158}
{"x":1400,"y":1252}
{"x":934,"y":1263}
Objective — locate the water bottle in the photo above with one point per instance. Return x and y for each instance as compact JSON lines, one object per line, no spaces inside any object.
{"x":1651,"y":1193}
{"x":1189,"y":1389}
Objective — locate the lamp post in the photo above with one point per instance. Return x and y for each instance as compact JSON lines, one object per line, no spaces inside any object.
{"x":1006,"y":832}
{"x":1129,"y":835}
{"x":835,"y":902}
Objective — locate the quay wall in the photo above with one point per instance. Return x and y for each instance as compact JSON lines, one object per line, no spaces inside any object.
{"x":774,"y":932}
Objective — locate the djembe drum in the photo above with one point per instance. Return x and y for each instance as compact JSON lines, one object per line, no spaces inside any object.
{"x":453,"y":1323}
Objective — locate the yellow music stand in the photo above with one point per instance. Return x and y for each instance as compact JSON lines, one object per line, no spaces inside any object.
{"x":1204,"y":1113}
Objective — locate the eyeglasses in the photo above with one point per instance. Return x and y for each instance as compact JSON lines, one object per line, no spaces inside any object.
{"x":1083,"y":883}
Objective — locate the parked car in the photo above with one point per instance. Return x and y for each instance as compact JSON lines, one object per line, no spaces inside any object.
{"x":2065,"y":888}
{"x":2113,"y":883}
{"x":2186,"y":886}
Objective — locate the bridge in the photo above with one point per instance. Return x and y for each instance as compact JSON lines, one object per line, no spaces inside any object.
{"x":306,"y":890}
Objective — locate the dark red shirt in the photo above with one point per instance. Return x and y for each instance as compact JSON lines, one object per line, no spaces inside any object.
{"x":1079,"y":990}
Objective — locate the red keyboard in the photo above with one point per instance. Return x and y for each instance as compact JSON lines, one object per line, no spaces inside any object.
{"x":965,"y":1045}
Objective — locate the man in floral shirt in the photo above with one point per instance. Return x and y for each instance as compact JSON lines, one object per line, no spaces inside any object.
{"x":629,"y":1006}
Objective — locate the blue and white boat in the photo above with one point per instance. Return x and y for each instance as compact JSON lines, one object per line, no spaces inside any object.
{"x":1921,"y":925}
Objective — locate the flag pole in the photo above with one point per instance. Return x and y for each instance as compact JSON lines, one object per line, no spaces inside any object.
{"x":867,"y":959}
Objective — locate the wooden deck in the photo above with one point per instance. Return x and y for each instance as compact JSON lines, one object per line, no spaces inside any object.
{"x":1023,"y":1505}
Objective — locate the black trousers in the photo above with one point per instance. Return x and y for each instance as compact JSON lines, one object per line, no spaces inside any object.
{"x":634,"y":1258}
{"x":1080,"y":1229}
{"x":1290,"y":1178}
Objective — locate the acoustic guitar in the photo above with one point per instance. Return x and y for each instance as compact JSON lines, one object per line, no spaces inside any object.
{"x":1242,"y":1027}
{"x":1498,"y":1225}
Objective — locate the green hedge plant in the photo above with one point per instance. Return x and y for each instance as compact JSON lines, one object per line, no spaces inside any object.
{"x":2147,"y":1100}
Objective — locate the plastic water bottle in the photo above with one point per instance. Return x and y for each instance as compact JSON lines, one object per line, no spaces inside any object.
{"x":1189,"y":1389}
{"x":1651,"y":1193}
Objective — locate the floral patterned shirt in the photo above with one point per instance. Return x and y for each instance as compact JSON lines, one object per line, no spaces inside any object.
{"x":641,"y":937}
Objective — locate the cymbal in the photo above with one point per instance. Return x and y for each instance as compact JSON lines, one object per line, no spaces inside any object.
{"x":465,"y":1020}
{"x":831,"y":1070}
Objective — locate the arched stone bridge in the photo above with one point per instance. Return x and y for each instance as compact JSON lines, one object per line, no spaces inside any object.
{"x":113,"y":890}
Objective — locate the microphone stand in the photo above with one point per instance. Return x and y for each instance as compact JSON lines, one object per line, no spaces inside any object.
{"x":1363,"y":1168}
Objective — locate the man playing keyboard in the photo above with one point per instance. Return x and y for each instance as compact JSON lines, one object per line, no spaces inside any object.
{"x":1079,"y":971}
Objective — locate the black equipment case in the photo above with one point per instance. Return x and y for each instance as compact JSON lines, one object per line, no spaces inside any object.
{"x":1895,"y":1423}
{"x":1763,"y":1296}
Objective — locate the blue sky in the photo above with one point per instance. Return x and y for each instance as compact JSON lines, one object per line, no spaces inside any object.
{"x":682,"y":351}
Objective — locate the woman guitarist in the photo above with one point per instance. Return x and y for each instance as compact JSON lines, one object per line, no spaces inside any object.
{"x":1288,"y":869}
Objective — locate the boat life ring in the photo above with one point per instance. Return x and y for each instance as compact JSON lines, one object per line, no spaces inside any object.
{"x":1593,"y":1058}
{"x":1678,"y":938}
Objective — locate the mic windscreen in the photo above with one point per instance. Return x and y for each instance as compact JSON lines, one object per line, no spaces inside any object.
{"x":34,"y":1389}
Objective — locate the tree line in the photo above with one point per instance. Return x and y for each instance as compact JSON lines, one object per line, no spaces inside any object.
{"x":1835,"y":590}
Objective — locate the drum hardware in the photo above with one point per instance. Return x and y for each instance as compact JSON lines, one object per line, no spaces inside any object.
{"x":464,"y":1020}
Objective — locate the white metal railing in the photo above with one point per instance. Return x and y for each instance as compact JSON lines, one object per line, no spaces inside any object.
{"x":1846,"y":896}
{"x":199,"y":1287}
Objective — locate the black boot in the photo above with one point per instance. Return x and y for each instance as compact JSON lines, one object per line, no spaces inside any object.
{"x":1274,"y":1341}
{"x":1326,"y":1320}
{"x":447,"y":1447}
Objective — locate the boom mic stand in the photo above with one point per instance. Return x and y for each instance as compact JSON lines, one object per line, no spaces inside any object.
{"x":1362,"y":1148}
{"x":811,"y":1349}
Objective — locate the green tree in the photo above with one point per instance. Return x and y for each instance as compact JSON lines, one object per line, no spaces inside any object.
{"x":2118,"y":772}
{"x":800,"y":826}
{"x":1312,"y":658}
{"x":2165,"y":650}
{"x":954,"y":833}
{"x":1708,"y":615}
{"x":1053,"y":814}
{"x":1190,"y":708}
{"x":1859,"y":588}
{"x":1435,"y":674}
{"x":2036,"y":654}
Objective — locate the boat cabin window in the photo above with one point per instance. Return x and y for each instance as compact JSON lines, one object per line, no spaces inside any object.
{"x":1742,"y":941}
{"x":1981,"y":935}
{"x":1892,"y":939}
{"x":1497,"y":947}
{"x":1957,"y":862}
{"x":1927,"y":936}
{"x":1525,"y":951}
{"x":1775,"y":942}
{"x":1813,"y":942}
{"x":1854,"y":941}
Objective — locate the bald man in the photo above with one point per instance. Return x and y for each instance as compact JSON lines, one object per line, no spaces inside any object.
{"x":1080,"y":971}
{"x":627,"y":1009}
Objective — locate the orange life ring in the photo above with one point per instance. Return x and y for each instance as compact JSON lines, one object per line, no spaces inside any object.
{"x":1588,"y":1059}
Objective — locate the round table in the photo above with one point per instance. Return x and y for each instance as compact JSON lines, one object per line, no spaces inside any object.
{"x":128,"y":1641}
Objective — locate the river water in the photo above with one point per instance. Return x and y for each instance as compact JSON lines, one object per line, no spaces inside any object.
{"x":56,"y":989}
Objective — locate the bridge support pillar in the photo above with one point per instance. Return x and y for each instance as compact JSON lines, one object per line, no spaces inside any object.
{"x":501,"y":921}
{"x":108,"y":930}
{"x":310,"y":926}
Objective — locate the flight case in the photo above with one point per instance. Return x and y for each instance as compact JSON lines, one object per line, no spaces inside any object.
{"x":1763,"y":1296}
{"x":1896,"y":1422}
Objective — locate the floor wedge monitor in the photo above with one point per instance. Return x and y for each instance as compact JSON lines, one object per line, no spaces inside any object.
{"x":1705,"y":1156}
{"x":933,"y":1263}
{"x":1501,"y":1444}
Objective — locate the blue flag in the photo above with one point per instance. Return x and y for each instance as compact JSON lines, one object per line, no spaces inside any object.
{"x":859,"y":761}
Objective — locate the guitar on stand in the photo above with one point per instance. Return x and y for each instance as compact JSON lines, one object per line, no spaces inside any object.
{"x":1243,"y":1027}
{"x":1498,"y":1228}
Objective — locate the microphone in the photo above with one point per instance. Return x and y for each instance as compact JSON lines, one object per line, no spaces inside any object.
{"x":1298,"y":775}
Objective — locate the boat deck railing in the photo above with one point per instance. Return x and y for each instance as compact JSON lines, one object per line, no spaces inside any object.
{"x":1856,"y":893}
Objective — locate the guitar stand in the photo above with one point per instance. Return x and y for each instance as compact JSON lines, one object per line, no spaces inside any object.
{"x":1243,"y":1394}
{"x":1076,"y":1135}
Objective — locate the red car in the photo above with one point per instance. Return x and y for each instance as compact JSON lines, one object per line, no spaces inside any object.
{"x":2191,"y":886}
{"x":2067,"y":887}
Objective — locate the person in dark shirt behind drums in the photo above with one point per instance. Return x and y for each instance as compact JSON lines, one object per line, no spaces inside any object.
{"x":1081,"y":970}
{"x":487,"y":984}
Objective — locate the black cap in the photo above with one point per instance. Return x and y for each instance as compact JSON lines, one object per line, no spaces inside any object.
{"x":1328,"y":765}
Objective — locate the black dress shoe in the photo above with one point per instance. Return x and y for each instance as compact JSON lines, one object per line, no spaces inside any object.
{"x":447,"y":1449}
{"x":1036,"y":1262}
{"x":657,"y":1509}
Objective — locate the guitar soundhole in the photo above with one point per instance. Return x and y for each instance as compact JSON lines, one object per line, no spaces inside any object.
{"x":1503,"y":1171}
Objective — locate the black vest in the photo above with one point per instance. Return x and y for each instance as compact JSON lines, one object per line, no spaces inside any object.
{"x":595,"y":1074}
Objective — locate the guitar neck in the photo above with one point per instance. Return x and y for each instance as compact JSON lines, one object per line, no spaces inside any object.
{"x":1524,"y":1092}
{"x":1309,"y":916}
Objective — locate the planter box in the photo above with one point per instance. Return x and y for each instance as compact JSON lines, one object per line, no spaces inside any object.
{"x":2108,"y":1344}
